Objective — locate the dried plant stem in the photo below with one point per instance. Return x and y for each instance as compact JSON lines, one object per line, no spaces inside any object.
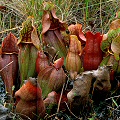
{"x":50,"y":116}
{"x":60,"y":98}
{"x":21,"y":114}
{"x":10,"y":29}
{"x":6,"y":66}
{"x":101,"y":17}
{"x":72,"y":112}
{"x":112,"y":97}
{"x":116,"y":109}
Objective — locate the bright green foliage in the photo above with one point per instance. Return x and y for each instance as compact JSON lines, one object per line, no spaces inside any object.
{"x":112,"y":34}
{"x":105,"y":60}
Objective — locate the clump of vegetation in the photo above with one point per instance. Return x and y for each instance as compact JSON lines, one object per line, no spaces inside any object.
{"x":68,"y":62}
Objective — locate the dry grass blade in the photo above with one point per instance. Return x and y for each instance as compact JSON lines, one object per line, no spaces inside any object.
{"x":7,"y":30}
{"x":60,"y":98}
{"x":112,"y":97}
{"x":72,"y":112}
{"x":14,"y":114}
{"x":6,"y":66}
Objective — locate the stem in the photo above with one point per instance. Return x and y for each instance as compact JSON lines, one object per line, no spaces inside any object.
{"x":86,"y":11}
{"x":60,"y":98}
{"x":101,"y":17}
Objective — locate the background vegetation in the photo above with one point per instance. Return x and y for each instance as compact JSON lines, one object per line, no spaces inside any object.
{"x":95,"y":15}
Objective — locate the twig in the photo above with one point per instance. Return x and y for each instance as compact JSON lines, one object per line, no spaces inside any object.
{"x":110,"y":52}
{"x":21,"y":115}
{"x":10,"y":29}
{"x":116,"y":109}
{"x":51,"y":116}
{"x":55,"y":55}
{"x":60,"y":98}
{"x":72,"y":112}
{"x":110,"y":107}
{"x":6,"y":66}
{"x":112,"y":97}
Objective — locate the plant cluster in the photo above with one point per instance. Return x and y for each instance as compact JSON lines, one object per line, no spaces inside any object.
{"x":63,"y":74}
